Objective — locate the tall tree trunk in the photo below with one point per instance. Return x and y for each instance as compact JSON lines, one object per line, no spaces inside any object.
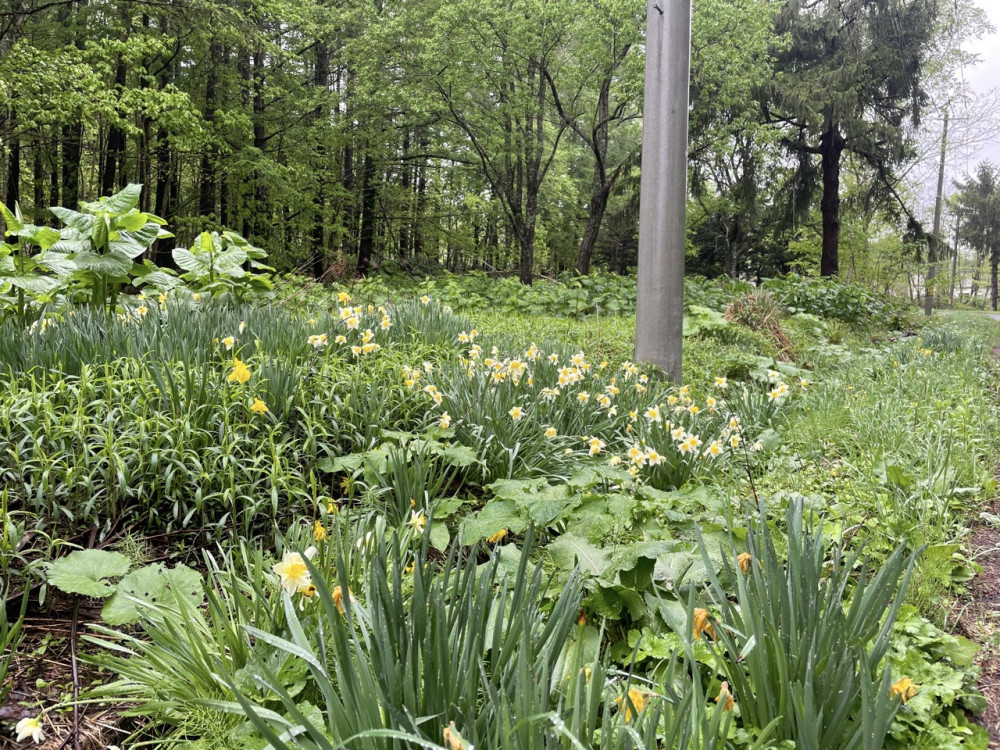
{"x":994,"y":261}
{"x":831,"y":149}
{"x":39,"y":182}
{"x":225,"y":205}
{"x":405,"y":181}
{"x":595,"y":217}
{"x":367,"y":239}
{"x":114,"y":156}
{"x":210,"y":157}
{"x":12,"y":191}
{"x":321,"y":82}
{"x":72,"y":153}
{"x":261,"y":215}
{"x":421,"y":203}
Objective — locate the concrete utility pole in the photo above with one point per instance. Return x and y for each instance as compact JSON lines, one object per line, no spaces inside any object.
{"x":932,"y":246}
{"x":659,"y":320}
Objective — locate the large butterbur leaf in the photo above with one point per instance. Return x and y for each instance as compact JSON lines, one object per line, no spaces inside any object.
{"x":87,"y":572}
{"x":153,"y":584}
{"x":108,"y":264}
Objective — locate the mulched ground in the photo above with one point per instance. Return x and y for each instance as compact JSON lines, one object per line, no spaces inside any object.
{"x":41,"y":676}
{"x":981,"y":618}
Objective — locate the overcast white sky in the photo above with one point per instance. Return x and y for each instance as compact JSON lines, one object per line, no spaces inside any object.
{"x":975,"y":126}
{"x":986,"y":75}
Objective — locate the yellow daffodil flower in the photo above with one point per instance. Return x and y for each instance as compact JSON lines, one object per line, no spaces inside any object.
{"x":240,"y":373}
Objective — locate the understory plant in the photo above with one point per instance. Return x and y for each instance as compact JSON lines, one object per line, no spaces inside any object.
{"x":379,"y":645}
{"x":803,"y":639}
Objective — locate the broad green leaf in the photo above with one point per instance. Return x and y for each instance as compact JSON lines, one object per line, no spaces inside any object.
{"x":495,"y":516}
{"x":131,"y":222}
{"x":86,"y":572}
{"x":55,"y":262}
{"x":124,"y":200}
{"x":14,"y":225}
{"x":156,"y":584}
{"x":81,"y":222}
{"x":568,"y":550}
{"x":337,"y":464}
{"x":205,"y":243}
{"x":113,"y":265}
{"x":127,"y":247}
{"x":44,"y":237}
{"x":34,"y":283}
{"x":439,"y":537}
{"x":459,"y":456}
{"x":99,"y":233}
{"x":189,"y":261}
{"x":71,"y":246}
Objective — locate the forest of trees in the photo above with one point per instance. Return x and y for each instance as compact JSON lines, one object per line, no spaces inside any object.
{"x":344,"y":136}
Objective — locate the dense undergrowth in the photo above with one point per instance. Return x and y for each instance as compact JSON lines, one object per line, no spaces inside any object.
{"x":424,"y":516}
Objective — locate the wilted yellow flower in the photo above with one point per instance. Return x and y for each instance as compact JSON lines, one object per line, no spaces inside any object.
{"x":259,"y":407}
{"x":904,"y":687}
{"x":343,"y":298}
{"x":635,"y":700}
{"x":498,"y":537}
{"x":453,"y":740}
{"x":701,"y":624}
{"x":743,"y":560}
{"x":725,"y":698}
{"x":338,"y":598}
{"x":308,"y":591}
{"x":240,"y":373}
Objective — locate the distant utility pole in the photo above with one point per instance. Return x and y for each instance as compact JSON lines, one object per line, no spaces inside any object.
{"x":659,"y":324}
{"x":935,"y":243}
{"x":954,"y":257}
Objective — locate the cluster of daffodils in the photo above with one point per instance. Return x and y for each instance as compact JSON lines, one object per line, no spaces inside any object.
{"x":240,"y":375}
{"x":41,"y":325}
{"x":351,"y":318}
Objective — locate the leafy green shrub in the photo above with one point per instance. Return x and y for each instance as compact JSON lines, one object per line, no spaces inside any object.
{"x":830,"y":298}
{"x":215,"y":264}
